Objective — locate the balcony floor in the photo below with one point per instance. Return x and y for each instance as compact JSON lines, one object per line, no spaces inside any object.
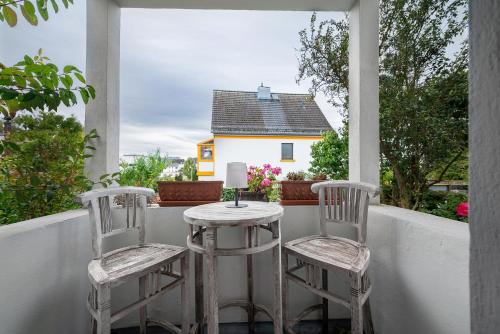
{"x":341,"y":326}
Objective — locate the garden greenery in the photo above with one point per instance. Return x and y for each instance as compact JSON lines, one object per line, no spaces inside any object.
{"x":144,"y":171}
{"x":45,"y":171}
{"x":41,"y":153}
{"x":423,"y":87}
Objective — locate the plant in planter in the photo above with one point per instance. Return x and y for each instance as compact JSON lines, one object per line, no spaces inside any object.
{"x":296,"y":190}
{"x":261,"y":183}
{"x":189,"y":193}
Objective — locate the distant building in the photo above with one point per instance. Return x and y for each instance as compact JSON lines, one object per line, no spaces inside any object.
{"x":174,"y":168}
{"x":260,"y":127}
{"x":451,"y":185}
{"x":130,"y":158}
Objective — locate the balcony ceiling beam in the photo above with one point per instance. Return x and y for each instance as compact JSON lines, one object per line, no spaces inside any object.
{"x":281,"y":5}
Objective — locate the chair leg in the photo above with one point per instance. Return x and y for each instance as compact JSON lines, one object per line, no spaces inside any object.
{"x":356,"y":306}
{"x":185,"y":293}
{"x":367,"y":316}
{"x":93,"y":304}
{"x":284,"y":291}
{"x":103,"y":310}
{"x":324,"y":280}
{"x":143,"y":311}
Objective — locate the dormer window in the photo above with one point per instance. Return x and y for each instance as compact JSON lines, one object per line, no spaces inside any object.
{"x":207,"y":152}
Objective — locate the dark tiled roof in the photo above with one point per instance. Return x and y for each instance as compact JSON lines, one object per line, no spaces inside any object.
{"x":235,"y":112}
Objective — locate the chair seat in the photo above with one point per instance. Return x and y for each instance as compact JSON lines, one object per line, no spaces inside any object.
{"x":134,"y":261}
{"x":330,"y":251}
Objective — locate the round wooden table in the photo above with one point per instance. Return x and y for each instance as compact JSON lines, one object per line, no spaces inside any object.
{"x":206,"y":220}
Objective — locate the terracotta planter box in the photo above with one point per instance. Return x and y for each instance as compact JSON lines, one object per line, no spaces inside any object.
{"x":298,"y":193}
{"x":189,"y":193}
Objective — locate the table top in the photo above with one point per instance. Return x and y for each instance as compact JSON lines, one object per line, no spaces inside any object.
{"x":217,"y":215}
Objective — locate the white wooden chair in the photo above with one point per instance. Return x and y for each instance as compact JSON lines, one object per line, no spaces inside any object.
{"x":146,"y":262}
{"x":339,"y":202}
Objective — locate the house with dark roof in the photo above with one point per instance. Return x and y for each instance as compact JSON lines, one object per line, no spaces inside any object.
{"x":260,"y":127}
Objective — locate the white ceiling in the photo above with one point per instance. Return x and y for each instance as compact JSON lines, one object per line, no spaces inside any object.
{"x":286,"y":5}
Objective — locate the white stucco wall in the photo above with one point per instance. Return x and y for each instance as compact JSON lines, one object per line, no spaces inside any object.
{"x":43,"y":275}
{"x":258,"y":151}
{"x":419,"y":271}
{"x":484,"y":177}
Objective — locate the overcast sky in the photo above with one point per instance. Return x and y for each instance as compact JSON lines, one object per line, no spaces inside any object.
{"x":171,"y":60}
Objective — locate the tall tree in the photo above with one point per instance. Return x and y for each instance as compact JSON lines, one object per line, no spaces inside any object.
{"x":423,"y":91}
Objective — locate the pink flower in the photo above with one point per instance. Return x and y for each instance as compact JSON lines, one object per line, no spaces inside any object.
{"x":267,"y":166}
{"x":262,"y":172}
{"x":276,"y":170}
{"x":462,"y":209}
{"x":251,"y":168}
{"x":265,"y":183}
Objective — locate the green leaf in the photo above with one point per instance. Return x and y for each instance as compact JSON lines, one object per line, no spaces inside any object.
{"x":35,"y":180}
{"x":69,"y":68}
{"x":54,"y":5}
{"x":8,"y":94}
{"x":13,"y":146}
{"x":65,"y":3}
{"x":42,"y":9}
{"x":28,"y":60}
{"x":1,"y":17}
{"x":91,"y":91}
{"x":102,"y":177}
{"x":72,"y":96}
{"x":20,"y":81}
{"x":67,"y":81}
{"x":10,"y":15}
{"x":29,"y":13}
{"x":80,"y":77}
{"x":85,"y":95}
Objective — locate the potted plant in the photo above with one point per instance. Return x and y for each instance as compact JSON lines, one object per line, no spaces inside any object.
{"x":296,"y":190}
{"x":189,"y":193}
{"x":261,"y":183}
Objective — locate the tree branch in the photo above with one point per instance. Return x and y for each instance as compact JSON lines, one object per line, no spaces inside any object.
{"x":443,"y":172}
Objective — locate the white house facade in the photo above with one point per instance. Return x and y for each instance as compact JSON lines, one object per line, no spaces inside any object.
{"x":258,"y":128}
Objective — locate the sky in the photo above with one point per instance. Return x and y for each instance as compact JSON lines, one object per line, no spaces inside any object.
{"x":171,"y":61}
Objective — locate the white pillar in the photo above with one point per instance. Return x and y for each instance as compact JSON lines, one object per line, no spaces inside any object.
{"x":363,"y":92}
{"x":484,"y":167}
{"x":103,"y":72}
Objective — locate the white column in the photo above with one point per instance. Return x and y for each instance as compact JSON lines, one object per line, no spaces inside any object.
{"x":103,"y":72}
{"x":484,"y":167}
{"x":363,"y":92}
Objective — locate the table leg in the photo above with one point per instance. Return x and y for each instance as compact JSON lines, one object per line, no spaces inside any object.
{"x":251,"y":305}
{"x":278,"y":325}
{"x":213,"y":305}
{"x":198,"y":283}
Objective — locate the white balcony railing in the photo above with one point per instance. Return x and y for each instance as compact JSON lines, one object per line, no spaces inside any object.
{"x":419,"y":271}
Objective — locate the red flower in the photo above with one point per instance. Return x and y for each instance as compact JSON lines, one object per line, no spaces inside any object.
{"x":462,"y":209}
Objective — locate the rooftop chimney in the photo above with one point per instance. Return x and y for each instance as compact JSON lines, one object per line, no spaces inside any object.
{"x":263,"y":93}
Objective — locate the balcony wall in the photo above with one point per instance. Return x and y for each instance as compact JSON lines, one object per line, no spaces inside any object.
{"x":419,"y":270}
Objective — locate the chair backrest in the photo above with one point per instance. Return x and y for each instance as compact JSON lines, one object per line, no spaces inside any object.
{"x":100,"y":202}
{"x":345,"y":202}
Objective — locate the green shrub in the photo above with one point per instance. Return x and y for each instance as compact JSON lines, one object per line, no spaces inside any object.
{"x":145,"y":171}
{"x":42,"y":175}
{"x":443,"y":204}
{"x":227,"y":194}
{"x":296,"y":176}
